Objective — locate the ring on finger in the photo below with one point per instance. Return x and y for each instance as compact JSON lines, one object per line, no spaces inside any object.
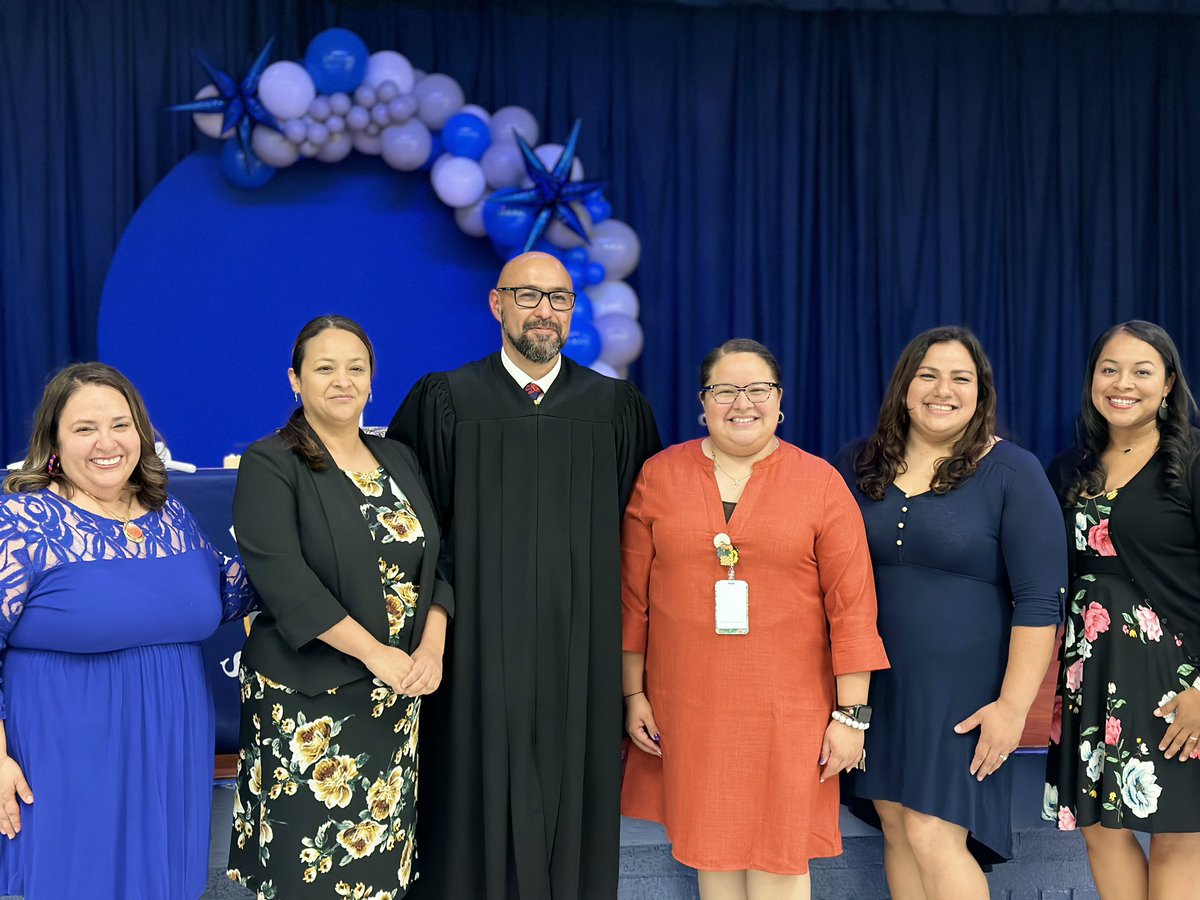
{"x":1192,"y":739}
{"x":1003,"y":757}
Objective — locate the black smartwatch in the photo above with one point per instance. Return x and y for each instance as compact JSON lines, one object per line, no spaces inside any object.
{"x":860,"y":713}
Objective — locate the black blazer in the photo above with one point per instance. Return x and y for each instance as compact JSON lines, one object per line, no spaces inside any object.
{"x":310,"y":555}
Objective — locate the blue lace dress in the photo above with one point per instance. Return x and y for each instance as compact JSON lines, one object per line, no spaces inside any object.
{"x":105,"y":704}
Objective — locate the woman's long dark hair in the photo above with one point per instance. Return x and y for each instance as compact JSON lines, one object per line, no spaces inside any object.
{"x":1175,"y":440}
{"x":881,"y":459}
{"x":297,"y":435}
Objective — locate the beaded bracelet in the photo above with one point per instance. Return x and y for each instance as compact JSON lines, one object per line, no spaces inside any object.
{"x":838,"y":716}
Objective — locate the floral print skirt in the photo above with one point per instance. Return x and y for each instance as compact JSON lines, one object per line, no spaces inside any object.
{"x":326,"y":792}
{"x":1119,"y":663}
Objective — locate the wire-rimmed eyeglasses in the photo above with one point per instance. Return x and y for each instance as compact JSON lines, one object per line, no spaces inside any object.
{"x":531,"y":297}
{"x":756,"y":391}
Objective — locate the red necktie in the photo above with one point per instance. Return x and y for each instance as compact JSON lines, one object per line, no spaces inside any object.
{"x":534,"y":391}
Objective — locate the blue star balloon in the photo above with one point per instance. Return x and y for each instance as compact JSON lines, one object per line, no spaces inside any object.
{"x":237,"y":101}
{"x":553,"y":191}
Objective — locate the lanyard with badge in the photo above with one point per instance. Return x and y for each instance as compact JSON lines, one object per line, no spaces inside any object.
{"x":732,"y":595}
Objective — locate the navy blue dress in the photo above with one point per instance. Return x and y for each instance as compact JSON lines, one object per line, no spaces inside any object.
{"x":954,"y":572}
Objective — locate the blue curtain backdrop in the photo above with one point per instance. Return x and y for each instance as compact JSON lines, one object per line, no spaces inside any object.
{"x":829,"y":182}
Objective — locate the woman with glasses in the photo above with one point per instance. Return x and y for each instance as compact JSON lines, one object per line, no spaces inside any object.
{"x":749,"y":637}
{"x":969,"y":558}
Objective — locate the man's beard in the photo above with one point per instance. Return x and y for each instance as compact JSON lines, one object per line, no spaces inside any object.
{"x":536,"y":349}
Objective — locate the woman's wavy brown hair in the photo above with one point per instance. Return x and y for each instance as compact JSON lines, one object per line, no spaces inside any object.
{"x":881,"y":459}
{"x":149,"y":476}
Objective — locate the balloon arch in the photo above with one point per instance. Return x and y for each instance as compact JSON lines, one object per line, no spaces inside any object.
{"x":488,"y":167}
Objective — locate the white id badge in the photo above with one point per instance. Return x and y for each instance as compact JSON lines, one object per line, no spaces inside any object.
{"x":732,"y":607}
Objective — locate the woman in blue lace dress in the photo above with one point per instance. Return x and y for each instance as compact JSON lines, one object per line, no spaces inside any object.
{"x":107,"y":589}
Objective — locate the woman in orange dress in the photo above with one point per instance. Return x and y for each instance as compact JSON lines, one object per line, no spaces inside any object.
{"x":749,"y":637}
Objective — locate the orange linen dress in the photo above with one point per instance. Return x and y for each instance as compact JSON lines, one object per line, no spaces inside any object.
{"x":742,"y":717}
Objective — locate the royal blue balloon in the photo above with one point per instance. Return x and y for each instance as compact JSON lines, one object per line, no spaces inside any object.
{"x":583,"y":309}
{"x":436,"y":149}
{"x":466,"y":135}
{"x":337,"y":61}
{"x":598,"y":208}
{"x":577,"y":272}
{"x":583,"y":343}
{"x":544,"y":246}
{"x":595,"y":273}
{"x":507,"y":225}
{"x":244,"y":170}
{"x":577,"y":255}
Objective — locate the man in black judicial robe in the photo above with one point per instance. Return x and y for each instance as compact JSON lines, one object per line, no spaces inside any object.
{"x":531,"y":459}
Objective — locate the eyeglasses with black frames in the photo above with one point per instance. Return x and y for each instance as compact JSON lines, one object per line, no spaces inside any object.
{"x":531,"y":297}
{"x":756,"y":391}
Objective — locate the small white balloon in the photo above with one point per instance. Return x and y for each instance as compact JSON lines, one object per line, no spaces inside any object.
{"x":604,"y":369}
{"x":470,"y":218}
{"x":286,"y":89}
{"x":509,"y":119}
{"x":388,"y":65}
{"x":308,"y":149}
{"x":366,"y":143}
{"x":406,"y":146}
{"x":458,"y":181}
{"x":438,"y":98}
{"x":210,"y":123}
{"x":616,"y":247}
{"x":621,"y":339}
{"x":336,"y":149}
{"x":503,"y":165}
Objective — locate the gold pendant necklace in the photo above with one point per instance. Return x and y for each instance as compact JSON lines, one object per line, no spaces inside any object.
{"x":131,"y":530}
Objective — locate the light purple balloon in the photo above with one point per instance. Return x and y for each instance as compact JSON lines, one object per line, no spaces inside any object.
{"x":388,"y":65}
{"x":295,"y":130}
{"x":317,"y":134}
{"x":379,"y":115}
{"x":559,"y":235}
{"x":509,"y":118}
{"x":406,"y":146}
{"x":398,"y":111}
{"x":613,"y":298}
{"x":366,"y":143}
{"x":603,"y":368}
{"x":407,"y":103}
{"x":320,"y":109}
{"x":502,"y":165}
{"x":286,"y":89}
{"x":340,"y":103}
{"x":210,"y":123}
{"x":620,"y":339}
{"x":458,"y":181}
{"x":478,"y":112}
{"x":438,"y":98}
{"x":358,"y":118}
{"x":335,"y":149}
{"x":418,"y":75}
{"x":308,"y":149}
{"x":616,"y":247}
{"x":470,"y":218}
{"x":386,"y":91}
{"x":335,"y":124}
{"x":373,"y":130}
{"x":272,"y":147}
{"x":438,"y":163}
{"x":364,"y":96}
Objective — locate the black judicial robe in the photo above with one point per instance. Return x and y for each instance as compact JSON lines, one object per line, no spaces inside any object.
{"x":520,"y":747}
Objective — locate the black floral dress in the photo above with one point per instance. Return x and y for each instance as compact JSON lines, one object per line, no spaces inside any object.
{"x":326,"y":796}
{"x":1119,"y":662}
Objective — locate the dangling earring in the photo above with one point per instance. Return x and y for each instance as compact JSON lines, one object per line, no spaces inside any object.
{"x":702,"y":419}
{"x":781,"y":417}
{"x":296,"y":396}
{"x":52,"y":467}
{"x":1162,"y":410}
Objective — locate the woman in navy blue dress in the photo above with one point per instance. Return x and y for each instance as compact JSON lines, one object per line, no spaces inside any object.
{"x":1127,"y":711}
{"x":969,"y":557}
{"x":107,"y":588}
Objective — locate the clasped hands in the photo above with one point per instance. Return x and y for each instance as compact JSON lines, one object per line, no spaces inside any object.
{"x":408,"y":675}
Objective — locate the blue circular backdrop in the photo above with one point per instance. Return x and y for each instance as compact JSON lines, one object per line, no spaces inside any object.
{"x":210,"y":285}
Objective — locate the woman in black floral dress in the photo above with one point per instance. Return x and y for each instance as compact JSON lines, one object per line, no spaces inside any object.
{"x":1123,"y":741}
{"x":339,"y":534}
